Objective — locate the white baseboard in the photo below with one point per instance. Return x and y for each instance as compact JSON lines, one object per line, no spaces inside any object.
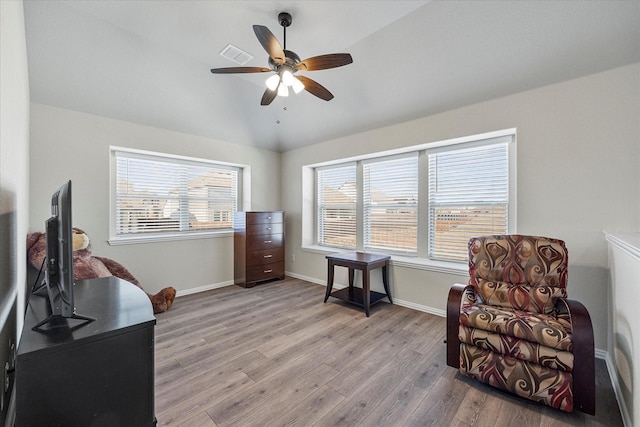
{"x":308,"y":279}
{"x":403,"y":303}
{"x":624,"y":412}
{"x":418,"y":307}
{"x":199,"y":289}
{"x":601,"y":354}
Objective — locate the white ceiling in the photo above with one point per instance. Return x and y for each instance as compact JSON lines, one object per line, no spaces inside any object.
{"x":149,"y":61}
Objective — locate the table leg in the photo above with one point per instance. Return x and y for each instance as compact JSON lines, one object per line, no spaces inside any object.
{"x":385,"y":281}
{"x":329,"y":280}
{"x":366,"y":296}
{"x":351,"y":289}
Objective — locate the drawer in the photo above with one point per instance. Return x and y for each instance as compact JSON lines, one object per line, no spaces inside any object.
{"x":264,"y":217}
{"x":265,"y":228}
{"x":265,"y":241}
{"x":265,"y":272}
{"x":265,"y":256}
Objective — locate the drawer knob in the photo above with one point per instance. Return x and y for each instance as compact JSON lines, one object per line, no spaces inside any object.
{"x":268,"y":271}
{"x":268,"y":228}
{"x":268,"y":217}
{"x":268,"y":256}
{"x":267,"y":241}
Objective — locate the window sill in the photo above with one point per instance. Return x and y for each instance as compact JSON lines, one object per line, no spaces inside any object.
{"x":458,"y":269}
{"x":134,"y":240}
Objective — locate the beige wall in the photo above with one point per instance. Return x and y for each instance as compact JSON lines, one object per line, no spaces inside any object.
{"x":14,"y":183}
{"x":70,"y":145}
{"x":577,"y":175}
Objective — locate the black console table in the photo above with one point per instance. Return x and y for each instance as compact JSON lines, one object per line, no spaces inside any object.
{"x":89,"y":374}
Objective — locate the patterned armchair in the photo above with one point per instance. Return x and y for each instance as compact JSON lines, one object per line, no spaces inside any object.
{"x":512,"y":326}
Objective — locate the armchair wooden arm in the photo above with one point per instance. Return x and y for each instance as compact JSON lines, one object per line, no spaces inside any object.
{"x":584,"y":386}
{"x":453,"y":321}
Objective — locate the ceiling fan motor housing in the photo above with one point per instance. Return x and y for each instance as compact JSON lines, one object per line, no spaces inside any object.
{"x":291,"y":59}
{"x":285,"y":19}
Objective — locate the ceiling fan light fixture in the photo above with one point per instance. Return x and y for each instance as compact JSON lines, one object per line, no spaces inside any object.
{"x":273,"y":82}
{"x":283,"y":90}
{"x":287,"y":77}
{"x":297,"y":85}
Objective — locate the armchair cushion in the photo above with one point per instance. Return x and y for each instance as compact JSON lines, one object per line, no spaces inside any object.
{"x":520,"y":296}
{"x":517,"y":348}
{"x":534,"y":327}
{"x":529,"y":380}
{"x":525,"y":273}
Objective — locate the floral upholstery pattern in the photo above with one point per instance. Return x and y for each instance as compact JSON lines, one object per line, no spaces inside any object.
{"x":529,"y":380}
{"x":517,"y":348}
{"x":538,"y":328}
{"x":525,"y":273}
{"x":515,"y":329}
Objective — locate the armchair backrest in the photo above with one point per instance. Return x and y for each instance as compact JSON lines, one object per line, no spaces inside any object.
{"x":527,"y":273}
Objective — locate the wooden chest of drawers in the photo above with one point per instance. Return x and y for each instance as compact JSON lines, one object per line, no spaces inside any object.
{"x":258,"y":247}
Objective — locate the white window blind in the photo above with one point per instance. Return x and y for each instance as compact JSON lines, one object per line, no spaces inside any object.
{"x":390,"y":191}
{"x":468,"y":196}
{"x":337,"y":198}
{"x":156,"y":194}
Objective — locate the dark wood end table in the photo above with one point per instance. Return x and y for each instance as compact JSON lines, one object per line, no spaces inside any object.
{"x":358,"y":261}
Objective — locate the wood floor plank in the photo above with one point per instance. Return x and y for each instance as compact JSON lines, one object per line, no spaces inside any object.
{"x":282,"y":399}
{"x":309,"y":411}
{"x":365,"y":398}
{"x":396,"y":408}
{"x":276,"y":354}
{"x":440,"y":405}
{"x":242,"y":406}
{"x":187,"y":402}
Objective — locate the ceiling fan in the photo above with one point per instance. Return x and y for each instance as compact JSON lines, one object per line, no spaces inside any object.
{"x":286,"y":63}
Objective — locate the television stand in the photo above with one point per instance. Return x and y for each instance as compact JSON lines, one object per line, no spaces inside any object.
{"x":99,"y":374}
{"x":54,"y":318}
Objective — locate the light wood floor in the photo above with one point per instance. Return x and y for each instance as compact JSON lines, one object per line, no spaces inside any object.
{"x":276,"y":355}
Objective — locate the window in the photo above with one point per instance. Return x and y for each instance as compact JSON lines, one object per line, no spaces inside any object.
{"x":424,"y":202}
{"x":468,"y":196}
{"x":161,"y":195}
{"x":336,"y":190}
{"x":391,"y":204}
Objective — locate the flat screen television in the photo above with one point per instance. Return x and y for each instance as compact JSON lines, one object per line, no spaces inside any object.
{"x":59,"y":261}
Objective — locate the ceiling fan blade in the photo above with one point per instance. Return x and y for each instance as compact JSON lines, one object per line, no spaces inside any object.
{"x":270,"y":43}
{"x":232,"y":70}
{"x":315,"y":88}
{"x":324,"y":62}
{"x":268,"y":96}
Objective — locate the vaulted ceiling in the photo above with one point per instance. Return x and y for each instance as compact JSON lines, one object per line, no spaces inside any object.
{"x":149,"y":61}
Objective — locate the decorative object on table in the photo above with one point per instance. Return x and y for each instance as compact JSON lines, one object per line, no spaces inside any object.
{"x":87,"y":266}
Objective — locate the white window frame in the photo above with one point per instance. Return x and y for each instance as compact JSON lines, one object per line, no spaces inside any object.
{"x":242,"y":197}
{"x":420,"y":260}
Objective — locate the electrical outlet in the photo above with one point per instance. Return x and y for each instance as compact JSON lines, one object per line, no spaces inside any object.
{"x":293,"y":257}
{"x":12,"y":354}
